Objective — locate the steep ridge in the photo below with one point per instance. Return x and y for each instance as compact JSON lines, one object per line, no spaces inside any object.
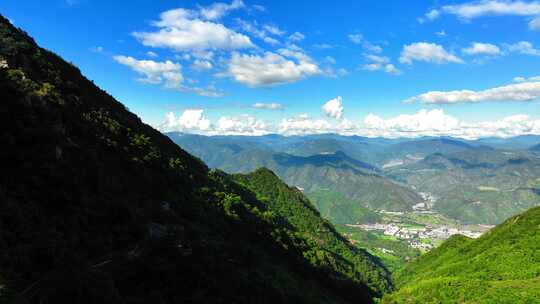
{"x":502,"y":266}
{"x":97,"y":207}
{"x":330,"y":247}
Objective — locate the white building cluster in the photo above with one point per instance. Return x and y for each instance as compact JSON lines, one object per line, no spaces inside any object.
{"x":415,"y":235}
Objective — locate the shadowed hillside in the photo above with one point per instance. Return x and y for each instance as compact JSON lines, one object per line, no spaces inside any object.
{"x":97,"y":207}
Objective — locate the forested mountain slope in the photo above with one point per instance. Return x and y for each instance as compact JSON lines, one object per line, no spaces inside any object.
{"x":97,"y":207}
{"x":502,"y":266}
{"x":291,"y":205}
{"x":338,"y":209}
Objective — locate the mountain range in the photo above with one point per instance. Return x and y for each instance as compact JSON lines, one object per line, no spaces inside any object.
{"x":334,"y":170}
{"x":477,"y":186}
{"x":473,"y":181}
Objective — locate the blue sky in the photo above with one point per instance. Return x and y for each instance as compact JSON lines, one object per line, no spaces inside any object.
{"x":373,"y":68}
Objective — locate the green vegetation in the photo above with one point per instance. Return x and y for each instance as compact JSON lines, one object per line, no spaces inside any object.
{"x":328,"y":248}
{"x":502,"y":266}
{"x":340,"y":210}
{"x":97,"y":207}
{"x":398,"y":252}
{"x":477,"y":186}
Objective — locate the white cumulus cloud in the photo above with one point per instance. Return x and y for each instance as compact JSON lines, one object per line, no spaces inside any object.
{"x":241,"y":125}
{"x":303,"y":125}
{"x":191,"y":120}
{"x":423,"y":122}
{"x":271,"y":68}
{"x":433,"y":122}
{"x":524,"y":91}
{"x":334,"y":108}
{"x":184,"y":30}
{"x":218,"y":10}
{"x":437,"y":123}
{"x":427,"y":52}
{"x":523,"y":47}
{"x":166,"y":72}
{"x":476,"y":9}
{"x":478,"y":48}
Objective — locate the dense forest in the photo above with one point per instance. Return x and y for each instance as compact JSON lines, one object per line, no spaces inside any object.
{"x":97,"y":207}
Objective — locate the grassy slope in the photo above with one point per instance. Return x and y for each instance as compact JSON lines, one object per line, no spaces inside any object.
{"x":83,"y":217}
{"x":503,"y":266}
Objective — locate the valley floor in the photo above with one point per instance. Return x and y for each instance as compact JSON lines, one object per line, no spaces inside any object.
{"x":399,"y":237}
{"x":420,"y":229}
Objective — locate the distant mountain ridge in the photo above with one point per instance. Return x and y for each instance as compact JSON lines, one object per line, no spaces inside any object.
{"x":338,"y":159}
{"x":355,"y":179}
{"x":535,"y":148}
{"x":477,"y":186}
{"x":474,"y":181}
